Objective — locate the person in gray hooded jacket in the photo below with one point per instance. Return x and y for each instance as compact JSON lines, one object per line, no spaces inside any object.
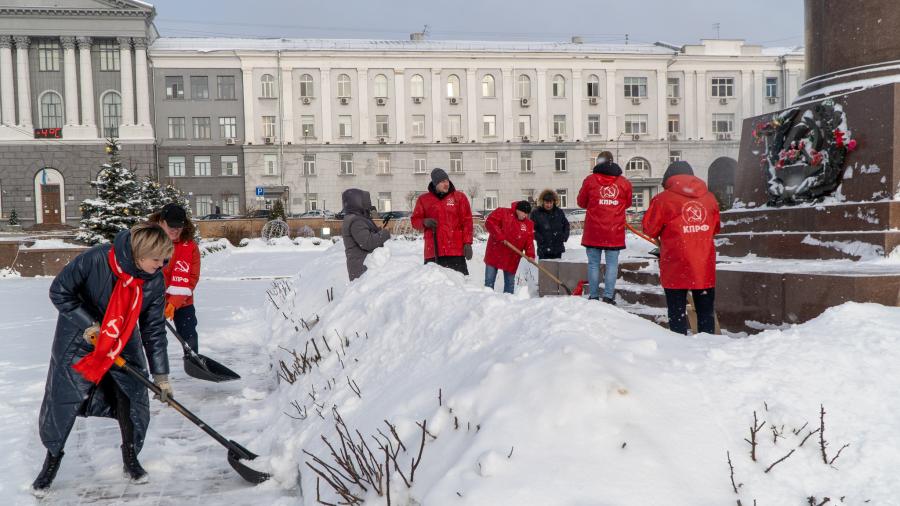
{"x":361,"y":235}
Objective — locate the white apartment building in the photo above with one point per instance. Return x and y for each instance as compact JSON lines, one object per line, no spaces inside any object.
{"x":505,"y":119}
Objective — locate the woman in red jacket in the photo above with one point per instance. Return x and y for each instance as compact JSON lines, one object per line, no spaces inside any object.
{"x":512,"y":225}
{"x":182,"y":272}
{"x":685,"y":218}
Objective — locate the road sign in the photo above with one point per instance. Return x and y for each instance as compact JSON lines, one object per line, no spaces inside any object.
{"x":260,"y":191}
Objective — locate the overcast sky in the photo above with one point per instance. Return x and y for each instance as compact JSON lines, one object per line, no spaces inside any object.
{"x":769,"y":22}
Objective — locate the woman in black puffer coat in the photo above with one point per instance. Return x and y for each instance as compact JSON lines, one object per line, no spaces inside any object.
{"x":551,"y":227}
{"x":81,"y":294}
{"x":361,"y":235}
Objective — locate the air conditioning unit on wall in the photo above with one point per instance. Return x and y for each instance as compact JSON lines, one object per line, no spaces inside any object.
{"x":636,"y":101}
{"x":524,"y":102}
{"x":344,"y":100}
{"x":772,"y":100}
{"x":723,"y":101}
{"x":305,"y":100}
{"x":380,"y":101}
{"x":592,"y":100}
{"x":230,"y":141}
{"x":673,"y":101}
{"x":417,"y":100}
{"x":269,"y":140}
{"x":636,"y":137}
{"x":454,"y":139}
{"x":454,"y":100}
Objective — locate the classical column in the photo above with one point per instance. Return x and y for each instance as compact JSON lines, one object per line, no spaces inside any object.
{"x":790,"y":87}
{"x":701,"y":106}
{"x":24,"y":87}
{"x":757,"y":92}
{"x":400,"y":98}
{"x":325,"y":87}
{"x":71,"y":80}
{"x":363,"y":101}
{"x":543,"y":125}
{"x":690,"y":105}
{"x":612,"y":120}
{"x":507,"y":98}
{"x":577,"y":103}
{"x":142,"y":82}
{"x":87,"y":82}
{"x":437,"y":98}
{"x":746,"y":101}
{"x":287,"y":105}
{"x":7,"y":86}
{"x":249,"y":100}
{"x":127,"y":81}
{"x":662,"y":109}
{"x":471,"y":106}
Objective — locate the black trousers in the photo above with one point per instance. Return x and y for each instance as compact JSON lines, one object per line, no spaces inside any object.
{"x":458,"y":264}
{"x":186,"y":324}
{"x":704,"y":304}
{"x":121,"y":405}
{"x":550,"y":256}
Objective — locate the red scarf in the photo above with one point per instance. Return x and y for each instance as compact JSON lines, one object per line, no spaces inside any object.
{"x":118,"y":323}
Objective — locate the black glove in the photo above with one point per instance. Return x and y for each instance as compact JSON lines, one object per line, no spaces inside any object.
{"x":430,"y":223}
{"x":467,"y":251}
{"x":384,"y":222}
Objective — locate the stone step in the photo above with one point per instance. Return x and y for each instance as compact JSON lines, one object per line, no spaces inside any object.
{"x":643,"y":295}
{"x":639,"y":277}
{"x":861,"y":216}
{"x":809,"y":245}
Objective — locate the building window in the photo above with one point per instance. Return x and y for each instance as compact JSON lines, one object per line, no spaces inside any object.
{"x":635,"y":87}
{"x":453,"y":86}
{"x":563,"y":194}
{"x":203,"y":203}
{"x":674,"y":156}
{"x":345,"y":126}
{"x":559,"y":124}
{"x":225,"y":87}
{"x":524,"y":125}
{"x":312,"y":201}
{"x":384,"y":202}
{"x":306,"y":86}
{"x":771,"y":87}
{"x":418,"y":125}
{"x":201,"y":128}
{"x":268,"y":126}
{"x":176,"y":166}
{"x":637,"y":199}
{"x":346,"y":164}
{"x":637,"y":165}
{"x":417,"y":86}
{"x":593,"y":86}
{"x":267,"y":86}
{"x":559,"y":161}
{"x":308,"y":126}
{"x":528,"y":194}
{"x":200,"y":87}
{"x":489,"y":123}
{"x":230,"y":165}
{"x":490,"y":163}
{"x":722,"y":87}
{"x":48,"y":57}
{"x":174,"y":87}
{"x":635,"y":123}
{"x":202,"y":166}
{"x":674,"y":124}
{"x":420,"y":163}
{"x":384,"y":164}
{"x":231,"y":205}
{"x":176,"y":128}
{"x":111,"y":105}
{"x":593,"y":124}
{"x":487,"y":86}
{"x":525,"y":164}
{"x":381,"y":86}
{"x":491,"y":199}
{"x":343,"y":86}
{"x":558,"y":88}
{"x":722,"y":123}
{"x":382,"y":126}
{"x":228,"y":127}
{"x":455,"y":125}
{"x":673,"y":87}
{"x":309,"y":165}
{"x":270,"y":164}
{"x":109,"y":56}
{"x":523,"y":87}
{"x":456,"y":162}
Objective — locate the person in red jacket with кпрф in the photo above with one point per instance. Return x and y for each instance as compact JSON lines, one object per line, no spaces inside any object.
{"x":685,"y":218}
{"x":182,"y":273}
{"x":510,"y":224}
{"x":445,"y":216}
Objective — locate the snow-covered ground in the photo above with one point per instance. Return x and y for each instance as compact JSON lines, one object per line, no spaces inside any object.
{"x":527,"y":401}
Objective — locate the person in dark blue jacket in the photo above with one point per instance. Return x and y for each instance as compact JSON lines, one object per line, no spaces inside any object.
{"x":551,"y":227}
{"x":83,"y":292}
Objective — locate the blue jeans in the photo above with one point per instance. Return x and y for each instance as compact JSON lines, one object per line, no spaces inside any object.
{"x":509,"y":279}
{"x":612,"y":272}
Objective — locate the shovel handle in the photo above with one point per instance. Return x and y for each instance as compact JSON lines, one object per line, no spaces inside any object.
{"x":642,"y":235}
{"x":187,"y":349}
{"x":538,"y":265}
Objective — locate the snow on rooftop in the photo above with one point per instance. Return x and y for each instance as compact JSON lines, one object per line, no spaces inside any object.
{"x":783,"y":51}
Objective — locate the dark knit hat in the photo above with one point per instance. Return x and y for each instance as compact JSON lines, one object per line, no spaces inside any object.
{"x":679,"y":168}
{"x":605,"y":156}
{"x":524,"y":206}
{"x":438,"y":175}
{"x":173,"y":215}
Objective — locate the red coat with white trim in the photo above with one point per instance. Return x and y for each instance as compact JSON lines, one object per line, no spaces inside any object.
{"x":606,"y":198}
{"x":502,"y":224}
{"x":182,"y":275}
{"x":454,"y":221}
{"x":685,"y":218}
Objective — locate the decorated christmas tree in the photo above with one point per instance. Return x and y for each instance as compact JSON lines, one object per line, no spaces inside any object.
{"x":13,"y":218}
{"x":155,"y":196}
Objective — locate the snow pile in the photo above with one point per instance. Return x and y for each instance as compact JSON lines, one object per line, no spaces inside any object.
{"x":564,"y":401}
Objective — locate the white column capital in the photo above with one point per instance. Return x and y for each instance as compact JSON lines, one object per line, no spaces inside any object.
{"x":22,"y":41}
{"x":67,"y":42}
{"x":84,"y":42}
{"x":124,"y":42}
{"x":436,"y":72}
{"x":6,"y":41}
{"x":139,"y":43}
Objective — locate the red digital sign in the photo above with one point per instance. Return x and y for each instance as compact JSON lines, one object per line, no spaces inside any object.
{"x":48,"y":133}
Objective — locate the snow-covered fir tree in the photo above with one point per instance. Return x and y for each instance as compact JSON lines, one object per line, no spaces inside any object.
{"x":13,"y":218}
{"x":119,"y":204}
{"x":278,"y":211}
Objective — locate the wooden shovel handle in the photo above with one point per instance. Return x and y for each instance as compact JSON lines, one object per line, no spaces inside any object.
{"x":539,"y":266}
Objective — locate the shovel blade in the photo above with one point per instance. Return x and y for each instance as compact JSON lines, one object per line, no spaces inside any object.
{"x":207,"y":369}
{"x":234,"y":460}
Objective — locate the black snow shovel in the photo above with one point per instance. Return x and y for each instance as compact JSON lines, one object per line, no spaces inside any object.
{"x":236,"y":452}
{"x":200,"y":367}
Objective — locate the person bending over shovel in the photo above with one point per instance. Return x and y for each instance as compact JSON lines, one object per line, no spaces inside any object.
{"x":105,"y":294}
{"x":510,"y":232}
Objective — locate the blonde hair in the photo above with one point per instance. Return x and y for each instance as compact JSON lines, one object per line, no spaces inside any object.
{"x":149,"y":240}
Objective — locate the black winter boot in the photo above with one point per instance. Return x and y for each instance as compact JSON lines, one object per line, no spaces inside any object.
{"x":48,"y":472}
{"x":132,"y":467}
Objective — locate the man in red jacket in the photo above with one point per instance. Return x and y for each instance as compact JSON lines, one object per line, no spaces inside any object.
{"x":446,"y":218}
{"x":605,"y":194}
{"x":507,"y":225}
{"x":684,"y":218}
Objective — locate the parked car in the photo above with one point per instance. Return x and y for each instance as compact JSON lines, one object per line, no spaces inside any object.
{"x":260,"y":213}
{"x":317,"y":213}
{"x":478,"y":215}
{"x":217,"y":216}
{"x":575,"y":214}
{"x":394,"y":215}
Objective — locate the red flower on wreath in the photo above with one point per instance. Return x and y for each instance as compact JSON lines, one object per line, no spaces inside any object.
{"x":851,"y":145}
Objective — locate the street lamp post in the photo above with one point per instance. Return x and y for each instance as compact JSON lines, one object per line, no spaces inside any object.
{"x":305,"y":169}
